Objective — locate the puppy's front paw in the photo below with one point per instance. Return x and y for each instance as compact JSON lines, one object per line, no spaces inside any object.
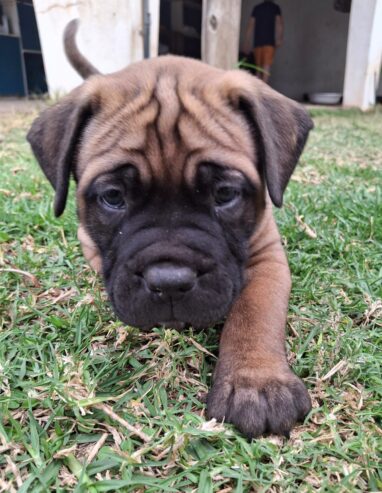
{"x":256,"y":404}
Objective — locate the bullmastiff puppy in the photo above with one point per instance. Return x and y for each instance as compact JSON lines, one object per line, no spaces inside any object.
{"x":177,"y":165}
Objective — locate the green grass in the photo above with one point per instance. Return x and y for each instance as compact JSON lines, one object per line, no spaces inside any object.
{"x":66,"y":363}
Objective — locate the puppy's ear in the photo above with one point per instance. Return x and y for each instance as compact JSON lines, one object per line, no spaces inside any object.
{"x":54,"y":138}
{"x":280,"y":126}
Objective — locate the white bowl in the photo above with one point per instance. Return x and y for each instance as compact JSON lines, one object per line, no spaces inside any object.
{"x":325,"y":97}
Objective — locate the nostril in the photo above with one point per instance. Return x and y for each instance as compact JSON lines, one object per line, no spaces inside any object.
{"x":169,"y":278}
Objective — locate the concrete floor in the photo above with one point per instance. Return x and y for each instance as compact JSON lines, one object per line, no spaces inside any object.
{"x":21,"y":105}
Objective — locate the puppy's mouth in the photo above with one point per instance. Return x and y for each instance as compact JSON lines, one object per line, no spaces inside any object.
{"x":174,"y":324}
{"x":175,"y":300}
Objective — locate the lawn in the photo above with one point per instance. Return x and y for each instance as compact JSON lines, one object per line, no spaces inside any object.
{"x":89,"y":405}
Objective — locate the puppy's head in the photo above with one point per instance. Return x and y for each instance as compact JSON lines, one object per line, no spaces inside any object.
{"x":175,"y":163}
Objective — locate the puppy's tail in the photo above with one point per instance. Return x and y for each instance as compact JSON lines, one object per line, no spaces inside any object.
{"x":75,"y":57}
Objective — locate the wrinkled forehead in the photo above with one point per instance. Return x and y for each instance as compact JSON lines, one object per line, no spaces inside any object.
{"x":164,"y":125}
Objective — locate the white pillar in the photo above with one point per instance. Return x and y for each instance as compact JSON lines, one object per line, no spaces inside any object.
{"x":109,"y":35}
{"x":364,"y":54}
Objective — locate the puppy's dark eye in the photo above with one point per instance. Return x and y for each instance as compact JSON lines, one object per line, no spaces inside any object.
{"x":225,"y":195}
{"x":113,"y":198}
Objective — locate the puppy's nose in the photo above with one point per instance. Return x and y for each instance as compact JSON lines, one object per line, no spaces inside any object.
{"x":168,"y":279}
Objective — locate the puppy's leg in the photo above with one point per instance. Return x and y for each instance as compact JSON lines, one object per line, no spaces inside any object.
{"x":253,"y":387}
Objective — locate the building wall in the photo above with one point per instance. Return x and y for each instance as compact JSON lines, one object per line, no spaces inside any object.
{"x":109,"y":36}
{"x":312,"y":57}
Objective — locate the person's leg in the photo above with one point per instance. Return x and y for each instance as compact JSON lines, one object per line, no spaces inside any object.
{"x":266,"y":73}
{"x":268,"y":55}
{"x":259,"y":60}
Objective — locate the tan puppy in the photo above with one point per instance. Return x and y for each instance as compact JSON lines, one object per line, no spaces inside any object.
{"x":177,"y":165}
